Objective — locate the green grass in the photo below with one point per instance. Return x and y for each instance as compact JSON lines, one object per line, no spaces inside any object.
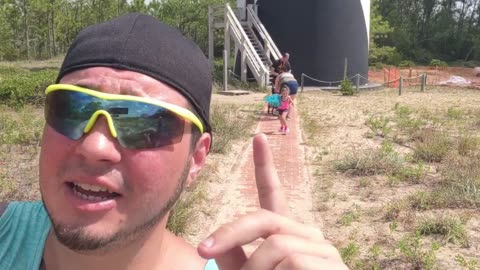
{"x":433,"y":147}
{"x":461,"y":181}
{"x":350,"y":252}
{"x":402,"y":111}
{"x":414,"y":174}
{"x":466,"y":264}
{"x":349,"y":216}
{"x":383,"y":160}
{"x":35,"y":65}
{"x":23,"y":126}
{"x":416,"y":254}
{"x":467,"y":144}
{"x":310,"y":125}
{"x":229,"y":124}
{"x":379,"y":125}
{"x":451,"y":229}
{"x":455,"y":113}
{"x":7,"y":186}
{"x":393,"y":210}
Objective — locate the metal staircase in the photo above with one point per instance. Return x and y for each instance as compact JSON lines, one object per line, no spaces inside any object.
{"x":253,"y":43}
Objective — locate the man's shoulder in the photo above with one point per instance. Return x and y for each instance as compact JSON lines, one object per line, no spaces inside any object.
{"x":24,"y":228}
{"x":36,"y":206}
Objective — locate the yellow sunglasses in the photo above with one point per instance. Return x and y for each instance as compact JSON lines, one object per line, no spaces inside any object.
{"x":136,"y":122}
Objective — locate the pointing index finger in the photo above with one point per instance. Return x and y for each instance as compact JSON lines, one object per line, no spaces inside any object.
{"x":270,"y":191}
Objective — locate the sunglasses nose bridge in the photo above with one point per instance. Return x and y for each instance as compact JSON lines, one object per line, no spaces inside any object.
{"x":94,"y":118}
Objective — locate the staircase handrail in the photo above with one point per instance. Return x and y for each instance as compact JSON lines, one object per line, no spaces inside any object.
{"x":252,"y":16}
{"x":258,"y":69}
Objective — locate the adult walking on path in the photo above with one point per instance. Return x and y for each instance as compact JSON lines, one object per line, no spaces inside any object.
{"x":278,"y":66}
{"x":287,"y":79}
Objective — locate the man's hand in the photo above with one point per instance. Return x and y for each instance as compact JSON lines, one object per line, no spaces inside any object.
{"x":288,"y":244}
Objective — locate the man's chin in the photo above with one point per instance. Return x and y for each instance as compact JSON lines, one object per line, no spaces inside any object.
{"x":85,"y":239}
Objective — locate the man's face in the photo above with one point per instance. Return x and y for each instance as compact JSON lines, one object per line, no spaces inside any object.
{"x":130,"y":190}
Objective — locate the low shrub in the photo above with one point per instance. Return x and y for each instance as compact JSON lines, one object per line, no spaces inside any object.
{"x":466,"y":264}
{"x":346,"y":87}
{"x":467,"y":145}
{"x":349,"y":253}
{"x":438,"y":63}
{"x":411,"y":174}
{"x":381,"y":161}
{"x":27,"y":88}
{"x":433,"y":147}
{"x":461,"y":181}
{"x":414,"y":252}
{"x":459,"y":186}
{"x":450,"y":228}
{"x":379,"y":125}
{"x":406,"y":63}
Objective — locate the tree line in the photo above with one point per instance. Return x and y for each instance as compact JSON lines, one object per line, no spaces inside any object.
{"x":401,"y":30}
{"x":39,"y":29}
{"x":421,"y":30}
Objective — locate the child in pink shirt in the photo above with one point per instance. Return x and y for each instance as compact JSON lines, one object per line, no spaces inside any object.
{"x":285,"y":104}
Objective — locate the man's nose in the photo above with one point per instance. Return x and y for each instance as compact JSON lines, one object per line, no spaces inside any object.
{"x":98,"y":144}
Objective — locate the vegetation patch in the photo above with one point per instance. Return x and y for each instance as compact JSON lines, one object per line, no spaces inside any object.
{"x":349,"y":253}
{"x":461,"y":181}
{"x":414,"y":174}
{"x":416,"y":253}
{"x":310,"y":125}
{"x":228,"y":125}
{"x":23,"y":126}
{"x":26,"y":88}
{"x":433,"y":147}
{"x":427,"y":161}
{"x":346,"y":87}
{"x":349,"y":216}
{"x":466,"y":264}
{"x":380,"y":161}
{"x":451,"y":229}
{"x":379,"y":125}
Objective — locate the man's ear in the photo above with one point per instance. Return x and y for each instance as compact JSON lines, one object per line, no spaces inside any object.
{"x":198,"y":157}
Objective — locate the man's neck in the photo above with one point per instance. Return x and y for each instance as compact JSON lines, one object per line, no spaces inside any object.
{"x":151,"y":252}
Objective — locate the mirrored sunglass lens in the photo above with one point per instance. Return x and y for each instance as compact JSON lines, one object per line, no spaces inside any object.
{"x":68,"y":112}
{"x":148,"y":126}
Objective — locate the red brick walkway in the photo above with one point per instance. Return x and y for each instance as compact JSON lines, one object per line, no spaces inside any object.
{"x":289,"y":160}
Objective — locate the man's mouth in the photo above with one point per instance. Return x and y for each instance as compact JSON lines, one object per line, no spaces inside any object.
{"x":92,"y":193}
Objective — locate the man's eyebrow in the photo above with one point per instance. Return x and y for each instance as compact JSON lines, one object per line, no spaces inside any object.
{"x":100,"y":87}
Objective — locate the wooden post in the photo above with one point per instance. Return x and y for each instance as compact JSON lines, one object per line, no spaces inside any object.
{"x":226,"y":53}
{"x":345,"y":69}
{"x":302,"y":81}
{"x":357,"y":83}
{"x":423,"y":83}
{"x":243,"y":66}
{"x":400,"y":85}
{"x":225,"y":70}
